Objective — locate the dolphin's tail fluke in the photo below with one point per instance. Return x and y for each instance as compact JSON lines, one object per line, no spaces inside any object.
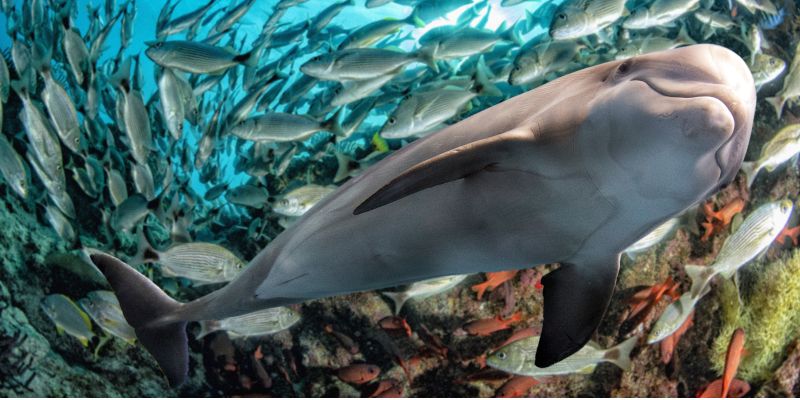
{"x":153,"y":315}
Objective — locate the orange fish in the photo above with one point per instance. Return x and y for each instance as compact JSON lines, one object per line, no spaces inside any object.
{"x":792,"y":233}
{"x":732,"y":359}
{"x":383,"y":386}
{"x":723,"y":217}
{"x":519,"y":335}
{"x":738,"y":389}
{"x":493,"y":280}
{"x":358,"y":373}
{"x":518,"y":386}
{"x":485,"y":327}
{"x":669,"y":344}
{"x":393,"y":392}
{"x":395,"y":323}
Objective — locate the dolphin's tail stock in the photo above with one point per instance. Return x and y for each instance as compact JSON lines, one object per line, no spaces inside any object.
{"x":154,"y":315}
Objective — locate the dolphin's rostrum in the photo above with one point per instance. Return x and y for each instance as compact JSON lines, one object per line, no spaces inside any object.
{"x":572,"y":172}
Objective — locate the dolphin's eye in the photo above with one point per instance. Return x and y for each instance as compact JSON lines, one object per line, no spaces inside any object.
{"x":624,"y":68}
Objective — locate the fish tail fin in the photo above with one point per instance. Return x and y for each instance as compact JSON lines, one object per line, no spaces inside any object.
{"x":482,"y":85}
{"x":333,"y":124}
{"x":207,"y":327}
{"x":249,"y":59}
{"x":621,"y":353}
{"x":20,"y":88}
{"x":343,"y":169}
{"x":750,"y":172}
{"x":122,"y":77}
{"x":699,"y":275}
{"x":512,"y":35}
{"x":398,"y":298}
{"x":777,"y":103}
{"x":480,"y":289}
{"x":415,"y":20}
{"x":153,"y":315}
{"x":145,"y":251}
{"x":683,"y":36}
{"x":425,"y":55}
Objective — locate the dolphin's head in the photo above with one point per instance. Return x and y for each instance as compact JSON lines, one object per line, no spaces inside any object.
{"x":677,"y":122}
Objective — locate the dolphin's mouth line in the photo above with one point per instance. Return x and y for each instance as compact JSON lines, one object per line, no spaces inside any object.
{"x":727,"y":107}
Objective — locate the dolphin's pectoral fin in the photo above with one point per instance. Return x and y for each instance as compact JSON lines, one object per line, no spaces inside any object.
{"x":575,"y":299}
{"x":449,"y":166}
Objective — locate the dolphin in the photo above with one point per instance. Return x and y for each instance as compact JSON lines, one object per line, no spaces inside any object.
{"x":572,"y":172}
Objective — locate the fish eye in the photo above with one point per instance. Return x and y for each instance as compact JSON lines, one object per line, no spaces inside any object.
{"x":562,"y":16}
{"x":501,"y":355}
{"x":392,"y":121}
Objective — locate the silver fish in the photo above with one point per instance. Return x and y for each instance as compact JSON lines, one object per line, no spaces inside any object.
{"x":518,"y":358}
{"x":791,"y":84}
{"x":248,"y":195}
{"x":171,"y":102}
{"x":658,"y":13}
{"x":259,"y":323}
{"x":423,"y":289}
{"x":783,"y":146}
{"x":203,"y":263}
{"x":766,"y":68}
{"x":296,"y":202}
{"x":12,"y":168}
{"x":578,"y":18}
{"x":62,"y":112}
{"x":279,"y":127}
{"x":753,"y":237}
{"x":425,"y":112}
{"x":533,"y":63}
{"x":195,"y":57}
{"x":360,"y":64}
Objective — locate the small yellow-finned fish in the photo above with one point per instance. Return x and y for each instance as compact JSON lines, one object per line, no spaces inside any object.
{"x":68,"y":317}
{"x":103,"y":307}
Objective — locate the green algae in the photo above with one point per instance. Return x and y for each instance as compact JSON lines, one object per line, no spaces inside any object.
{"x":768,"y":315}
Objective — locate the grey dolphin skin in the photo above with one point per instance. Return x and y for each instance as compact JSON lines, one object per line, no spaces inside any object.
{"x":572,"y":172}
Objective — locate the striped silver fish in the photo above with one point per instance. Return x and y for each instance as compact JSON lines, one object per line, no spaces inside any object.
{"x":203,"y":263}
{"x":68,"y":317}
{"x":196,"y":57}
{"x":783,"y":146}
{"x":278,"y":127}
{"x":518,"y":358}
{"x":753,"y":237}
{"x":259,"y":323}
{"x":12,"y":168}
{"x":62,"y":112}
{"x":296,"y":202}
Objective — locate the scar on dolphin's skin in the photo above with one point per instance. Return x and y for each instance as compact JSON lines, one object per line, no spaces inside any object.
{"x":576,"y":170}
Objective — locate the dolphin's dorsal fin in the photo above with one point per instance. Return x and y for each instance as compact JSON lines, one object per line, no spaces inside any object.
{"x":575,"y":298}
{"x":449,"y":166}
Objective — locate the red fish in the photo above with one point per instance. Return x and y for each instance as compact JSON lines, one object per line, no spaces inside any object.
{"x":395,"y":323}
{"x":738,"y":389}
{"x":493,"y":280}
{"x":485,"y":327}
{"x":518,"y":386}
{"x":519,"y":335}
{"x":358,"y":373}
{"x":791,"y":233}
{"x":732,"y":359}
{"x":383,"y":386}
{"x":669,"y":344}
